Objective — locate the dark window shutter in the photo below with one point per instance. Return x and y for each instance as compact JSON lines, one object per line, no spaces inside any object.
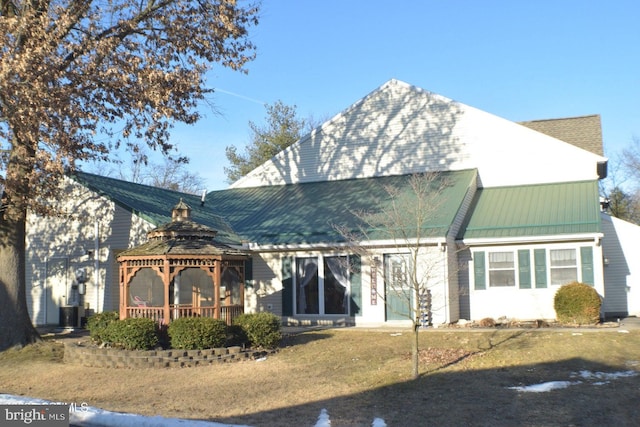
{"x":586,"y":256}
{"x":248,"y":273}
{"x":540,"y":260}
{"x":524,"y":268}
{"x":356,"y":285}
{"x":479,"y":272}
{"x":287,"y":286}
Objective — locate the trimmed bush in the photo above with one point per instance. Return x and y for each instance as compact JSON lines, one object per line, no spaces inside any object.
{"x":577,"y":303}
{"x":236,"y":336}
{"x":97,"y":325}
{"x":132,"y":334}
{"x":262,"y":329}
{"x":197,"y":333}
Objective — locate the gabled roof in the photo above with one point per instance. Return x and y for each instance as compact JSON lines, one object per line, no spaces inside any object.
{"x":584,"y":131}
{"x":534,"y":211}
{"x":294,"y":214}
{"x":401,"y":129}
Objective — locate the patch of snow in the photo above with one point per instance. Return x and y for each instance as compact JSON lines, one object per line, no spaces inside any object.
{"x":90,"y":416}
{"x":397,"y":334}
{"x":623,"y":331}
{"x":261,"y":359}
{"x":605,"y":376}
{"x":596,"y":378}
{"x":545,"y":387}
{"x":323,"y":419}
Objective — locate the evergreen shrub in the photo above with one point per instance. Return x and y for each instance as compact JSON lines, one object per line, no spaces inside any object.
{"x":236,"y":336}
{"x":197,"y":333}
{"x":132,"y":334}
{"x":577,"y":303}
{"x":262,"y":329}
{"x":97,"y":325}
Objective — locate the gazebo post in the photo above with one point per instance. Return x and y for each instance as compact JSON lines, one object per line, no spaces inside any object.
{"x":166,"y":281}
{"x":122,"y":276}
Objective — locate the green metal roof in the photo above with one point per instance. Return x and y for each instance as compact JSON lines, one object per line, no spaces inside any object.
{"x":289,"y":214}
{"x":155,"y":204}
{"x":534,"y":210}
{"x":309,"y":212}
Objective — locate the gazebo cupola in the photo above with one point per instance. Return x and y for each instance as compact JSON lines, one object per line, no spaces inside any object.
{"x":182,"y":271}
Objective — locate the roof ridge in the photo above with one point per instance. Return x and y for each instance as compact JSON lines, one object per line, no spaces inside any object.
{"x":584,"y":116}
{"x":537,"y":184}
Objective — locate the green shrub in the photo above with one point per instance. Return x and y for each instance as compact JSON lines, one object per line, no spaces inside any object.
{"x":132,"y":334}
{"x":262,"y":329}
{"x":577,"y":303}
{"x":98,"y":323}
{"x":236,"y":336}
{"x":197,"y":333}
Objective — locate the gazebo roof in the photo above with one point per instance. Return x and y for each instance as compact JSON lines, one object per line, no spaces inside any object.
{"x":182,"y":236}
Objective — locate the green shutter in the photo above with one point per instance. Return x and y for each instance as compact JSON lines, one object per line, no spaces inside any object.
{"x":540,"y":260}
{"x":356,"y":285}
{"x":287,"y":286}
{"x":524,"y":268}
{"x":586,"y":256}
{"x":479,"y":271}
{"x":248,"y":273}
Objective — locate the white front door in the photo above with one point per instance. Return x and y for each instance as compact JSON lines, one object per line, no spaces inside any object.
{"x":57,"y":283}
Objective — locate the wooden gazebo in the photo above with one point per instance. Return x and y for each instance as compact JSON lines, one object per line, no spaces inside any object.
{"x":182,"y":271}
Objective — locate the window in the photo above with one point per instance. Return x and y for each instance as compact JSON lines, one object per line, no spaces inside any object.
{"x":322,"y":285}
{"x":502,"y":270}
{"x":563,"y":266}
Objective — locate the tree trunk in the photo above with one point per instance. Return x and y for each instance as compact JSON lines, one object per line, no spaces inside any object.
{"x":415,"y":352}
{"x":16,"y":329}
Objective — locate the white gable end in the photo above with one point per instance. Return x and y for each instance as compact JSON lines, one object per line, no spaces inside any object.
{"x":400,"y":129}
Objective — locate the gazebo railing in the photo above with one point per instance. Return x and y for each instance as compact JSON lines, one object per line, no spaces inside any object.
{"x":227,"y":312}
{"x":155,"y":313}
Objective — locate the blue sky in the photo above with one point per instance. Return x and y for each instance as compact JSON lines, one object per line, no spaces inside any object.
{"x":521,"y":60}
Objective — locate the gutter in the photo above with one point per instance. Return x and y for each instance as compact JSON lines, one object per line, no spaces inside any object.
{"x":596,"y":237}
{"x":438,"y":241}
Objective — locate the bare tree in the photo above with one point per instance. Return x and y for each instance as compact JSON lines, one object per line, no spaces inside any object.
{"x":74,"y":69}
{"x":403,"y":225}
{"x":172,"y":173}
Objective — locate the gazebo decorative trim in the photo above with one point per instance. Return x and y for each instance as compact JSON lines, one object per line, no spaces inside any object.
{"x":179,"y":254}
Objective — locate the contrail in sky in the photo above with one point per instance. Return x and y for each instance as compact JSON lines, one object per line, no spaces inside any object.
{"x":237,"y":95}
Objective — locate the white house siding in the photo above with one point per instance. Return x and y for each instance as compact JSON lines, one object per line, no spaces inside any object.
{"x":72,"y":237}
{"x":621,"y":268}
{"x":513,"y":302}
{"x":266,"y":292}
{"x":401,"y":129}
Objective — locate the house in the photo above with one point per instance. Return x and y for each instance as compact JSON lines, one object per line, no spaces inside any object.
{"x":518,"y":217}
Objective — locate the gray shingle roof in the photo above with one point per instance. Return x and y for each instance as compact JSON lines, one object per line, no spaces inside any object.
{"x":584,"y":131}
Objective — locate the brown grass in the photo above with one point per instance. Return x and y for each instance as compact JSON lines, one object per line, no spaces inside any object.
{"x":358,"y":375}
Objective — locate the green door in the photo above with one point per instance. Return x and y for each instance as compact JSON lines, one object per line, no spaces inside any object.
{"x":398,"y":295}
